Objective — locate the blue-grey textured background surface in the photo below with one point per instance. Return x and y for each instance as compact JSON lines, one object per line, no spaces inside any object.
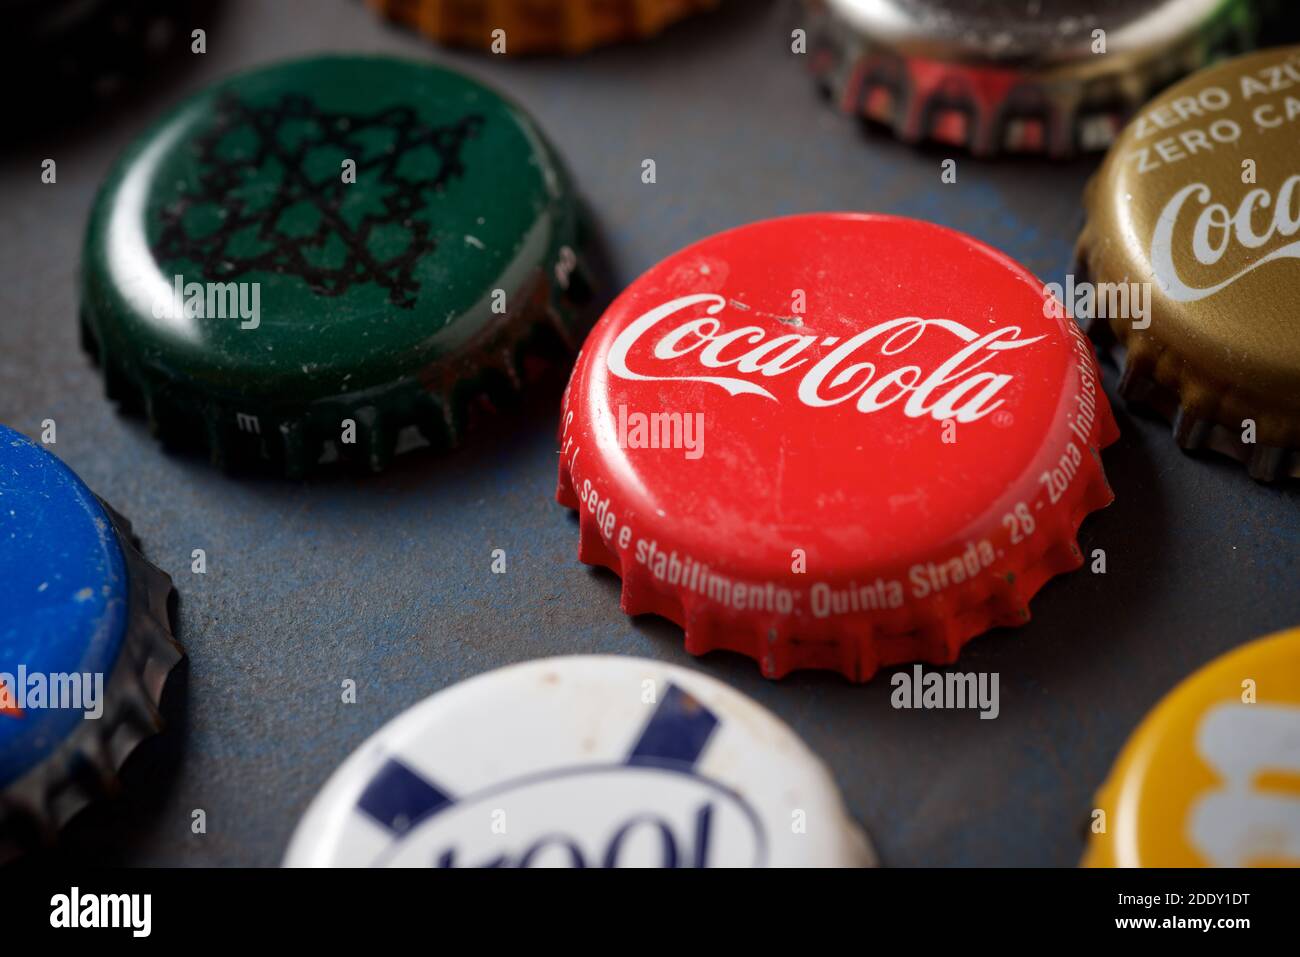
{"x":386,"y":579}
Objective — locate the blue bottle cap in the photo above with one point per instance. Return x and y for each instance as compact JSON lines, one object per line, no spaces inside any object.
{"x":85,"y":641}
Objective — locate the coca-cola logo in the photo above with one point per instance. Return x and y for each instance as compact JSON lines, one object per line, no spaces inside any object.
{"x":871,"y":367}
{"x":1217,"y":230}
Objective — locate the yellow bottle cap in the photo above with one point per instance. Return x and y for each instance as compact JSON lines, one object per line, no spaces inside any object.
{"x":1211,"y":778}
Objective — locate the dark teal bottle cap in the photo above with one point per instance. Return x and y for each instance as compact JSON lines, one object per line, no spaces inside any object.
{"x":85,"y":642}
{"x":326,"y":254}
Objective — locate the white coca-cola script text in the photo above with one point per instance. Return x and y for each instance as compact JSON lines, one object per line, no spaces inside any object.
{"x":870,"y":366}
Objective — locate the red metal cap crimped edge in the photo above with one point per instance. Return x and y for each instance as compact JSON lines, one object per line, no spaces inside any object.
{"x":839,"y":441}
{"x":1007,"y":77}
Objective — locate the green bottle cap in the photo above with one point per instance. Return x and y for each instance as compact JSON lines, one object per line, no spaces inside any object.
{"x":331,"y":256}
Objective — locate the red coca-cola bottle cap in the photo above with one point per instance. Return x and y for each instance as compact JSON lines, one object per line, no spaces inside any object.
{"x":837,"y":441}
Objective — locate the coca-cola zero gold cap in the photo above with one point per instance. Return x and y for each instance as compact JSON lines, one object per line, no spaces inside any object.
{"x":1198,"y":205}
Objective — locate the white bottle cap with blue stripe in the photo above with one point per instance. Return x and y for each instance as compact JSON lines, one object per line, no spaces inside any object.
{"x":585,"y":761}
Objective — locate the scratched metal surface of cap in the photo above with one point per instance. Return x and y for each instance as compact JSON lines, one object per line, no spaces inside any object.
{"x":835,"y":440}
{"x":1014,"y":76}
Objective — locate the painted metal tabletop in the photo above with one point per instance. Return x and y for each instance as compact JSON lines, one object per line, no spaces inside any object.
{"x":387,"y":579}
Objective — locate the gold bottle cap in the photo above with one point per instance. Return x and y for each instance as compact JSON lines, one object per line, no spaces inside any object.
{"x":537,"y":26}
{"x":1211,"y":777}
{"x":1196,"y":214}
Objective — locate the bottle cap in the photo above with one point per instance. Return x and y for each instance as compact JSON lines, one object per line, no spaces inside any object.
{"x":834,"y":441}
{"x":1210,"y":776}
{"x":1008,"y":76}
{"x":537,"y":26}
{"x":85,"y":644}
{"x":331,"y":256}
{"x":1197,"y":202}
{"x":586,"y":761}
